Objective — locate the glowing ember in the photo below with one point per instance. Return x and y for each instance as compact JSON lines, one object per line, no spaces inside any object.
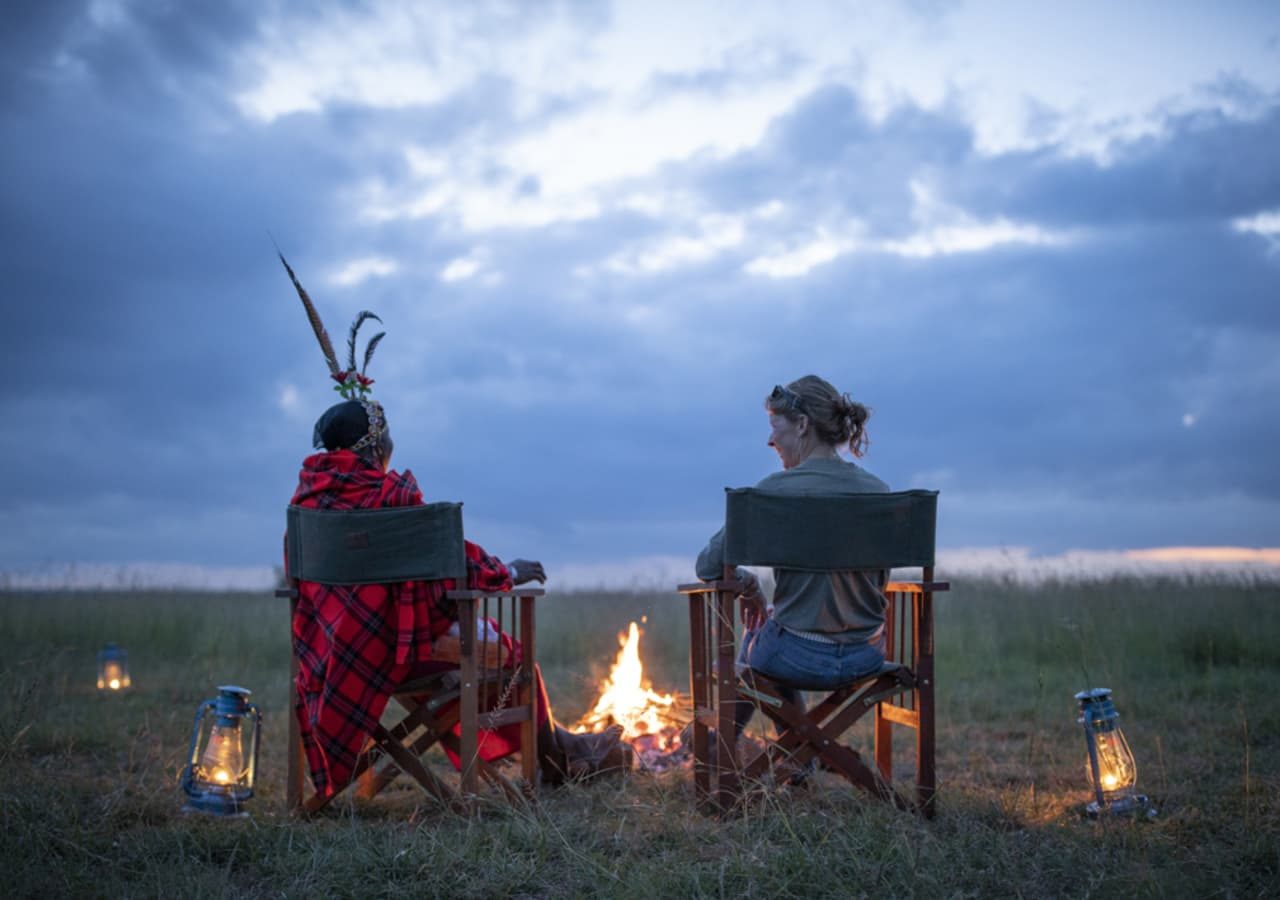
{"x":627,"y":699}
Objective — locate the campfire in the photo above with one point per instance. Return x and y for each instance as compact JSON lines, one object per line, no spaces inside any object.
{"x":648,"y":718}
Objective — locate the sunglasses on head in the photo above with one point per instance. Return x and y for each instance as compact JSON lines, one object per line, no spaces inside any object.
{"x":788,"y":398}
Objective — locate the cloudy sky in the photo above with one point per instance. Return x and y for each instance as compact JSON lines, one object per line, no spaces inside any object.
{"x":1041,"y":241}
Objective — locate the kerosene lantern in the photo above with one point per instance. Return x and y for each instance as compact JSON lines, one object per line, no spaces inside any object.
{"x":1112,"y":770}
{"x":219,"y":777}
{"x":113,"y":669}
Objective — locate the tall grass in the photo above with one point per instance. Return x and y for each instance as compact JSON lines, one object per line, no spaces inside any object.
{"x":90,"y":806}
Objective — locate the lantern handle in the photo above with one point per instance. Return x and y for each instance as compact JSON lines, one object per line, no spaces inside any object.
{"x":253,"y":751}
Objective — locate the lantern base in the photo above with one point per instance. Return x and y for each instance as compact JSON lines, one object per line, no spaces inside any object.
{"x":213,"y":803}
{"x":1134,"y":806}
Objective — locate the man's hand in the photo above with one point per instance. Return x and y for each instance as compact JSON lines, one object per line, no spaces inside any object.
{"x":527,"y":570}
{"x":753,"y":602}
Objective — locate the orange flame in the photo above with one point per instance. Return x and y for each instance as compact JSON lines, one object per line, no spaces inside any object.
{"x":627,"y":697}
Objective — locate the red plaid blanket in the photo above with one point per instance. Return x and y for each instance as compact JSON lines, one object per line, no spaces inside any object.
{"x":356,"y":644}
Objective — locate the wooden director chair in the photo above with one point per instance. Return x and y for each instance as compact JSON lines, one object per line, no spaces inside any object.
{"x":421,"y":543}
{"x":819,"y":533}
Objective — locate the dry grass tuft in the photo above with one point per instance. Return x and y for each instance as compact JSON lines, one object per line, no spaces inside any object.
{"x":90,"y":804}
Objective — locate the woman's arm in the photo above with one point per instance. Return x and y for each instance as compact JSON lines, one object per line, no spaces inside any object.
{"x":710,"y":565}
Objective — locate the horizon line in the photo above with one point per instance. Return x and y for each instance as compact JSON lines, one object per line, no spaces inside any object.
{"x":662,"y":571}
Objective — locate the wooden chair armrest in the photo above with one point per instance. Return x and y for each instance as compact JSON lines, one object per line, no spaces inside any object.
{"x":290,"y":593}
{"x":916,"y":587}
{"x":706,"y":587}
{"x":520,"y":592}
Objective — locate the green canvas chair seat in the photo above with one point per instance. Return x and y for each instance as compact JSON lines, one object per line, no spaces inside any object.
{"x":818,"y":533}
{"x":421,"y":543}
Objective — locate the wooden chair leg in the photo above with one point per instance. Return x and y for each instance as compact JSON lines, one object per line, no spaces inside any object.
{"x":799,"y":739}
{"x":699,"y":687}
{"x":411,"y":764}
{"x":527,"y":696}
{"x":882,"y":729}
{"x":469,"y":698}
{"x":488,"y":771}
{"x":370,"y":780}
{"x":434,"y":720}
{"x":926,"y":736}
{"x":373,"y":780}
{"x":295,"y":756}
{"x":727,"y":787}
{"x":808,"y":734}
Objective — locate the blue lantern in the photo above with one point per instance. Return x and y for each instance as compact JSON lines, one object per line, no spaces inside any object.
{"x":113,"y":669}
{"x":218,"y":778}
{"x":1112,"y":769}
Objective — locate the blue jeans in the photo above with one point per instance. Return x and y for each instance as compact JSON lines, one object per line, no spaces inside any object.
{"x":800,"y":663}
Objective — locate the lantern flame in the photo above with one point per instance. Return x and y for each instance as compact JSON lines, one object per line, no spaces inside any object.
{"x":223,"y":758}
{"x":628,"y":699}
{"x":112,"y":675}
{"x":1116,"y":769}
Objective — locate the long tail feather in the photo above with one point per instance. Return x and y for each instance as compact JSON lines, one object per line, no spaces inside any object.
{"x":326,"y":346}
{"x":351,"y":339}
{"x":368,"y":351}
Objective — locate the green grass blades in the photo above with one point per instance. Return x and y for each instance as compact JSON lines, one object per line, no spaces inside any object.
{"x":90,"y":803}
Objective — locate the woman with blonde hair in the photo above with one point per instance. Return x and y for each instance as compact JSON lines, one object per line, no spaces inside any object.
{"x":823,"y":629}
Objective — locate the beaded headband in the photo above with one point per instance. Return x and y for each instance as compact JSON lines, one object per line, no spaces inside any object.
{"x":352,"y":383}
{"x":377,"y":424}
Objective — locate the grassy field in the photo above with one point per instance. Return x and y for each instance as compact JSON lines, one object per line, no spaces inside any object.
{"x":90,"y":804}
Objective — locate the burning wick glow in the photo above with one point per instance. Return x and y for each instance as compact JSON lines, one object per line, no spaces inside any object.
{"x":628,"y":699}
{"x":112,"y":674}
{"x":222,"y":776}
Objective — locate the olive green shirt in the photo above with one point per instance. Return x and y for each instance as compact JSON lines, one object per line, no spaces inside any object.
{"x":846,"y":606}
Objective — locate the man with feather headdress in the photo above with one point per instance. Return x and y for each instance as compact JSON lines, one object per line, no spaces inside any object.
{"x":356,"y":643}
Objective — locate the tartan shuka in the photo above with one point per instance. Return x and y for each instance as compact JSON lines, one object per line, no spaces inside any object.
{"x":355,"y":644}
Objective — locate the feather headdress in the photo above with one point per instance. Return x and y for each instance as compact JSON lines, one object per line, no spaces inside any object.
{"x":317,"y":325}
{"x":353,"y":383}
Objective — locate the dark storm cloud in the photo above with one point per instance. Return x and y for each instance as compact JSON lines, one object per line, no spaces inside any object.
{"x":826,"y":155}
{"x":154,"y":331}
{"x":34,"y":30}
{"x":156,"y":48}
{"x":1203,"y":165}
{"x":1035,"y":368}
{"x":137,"y":260}
{"x":152,"y":325}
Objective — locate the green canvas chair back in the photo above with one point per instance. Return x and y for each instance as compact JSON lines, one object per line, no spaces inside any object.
{"x":376,"y":546}
{"x":823,"y":532}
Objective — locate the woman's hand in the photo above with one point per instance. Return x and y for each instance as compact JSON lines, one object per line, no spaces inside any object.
{"x":753,"y":602}
{"x":526,"y":570}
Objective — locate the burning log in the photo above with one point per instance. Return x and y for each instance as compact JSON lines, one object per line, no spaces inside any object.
{"x":648,"y":718}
